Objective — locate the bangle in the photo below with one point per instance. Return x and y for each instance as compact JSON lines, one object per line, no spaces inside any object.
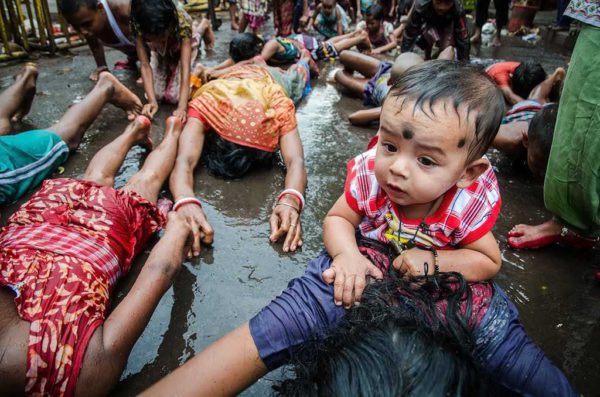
{"x":288,"y":205}
{"x":186,"y":200}
{"x":294,"y":193}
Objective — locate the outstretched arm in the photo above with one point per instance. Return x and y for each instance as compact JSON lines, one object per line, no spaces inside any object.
{"x":509,"y":95}
{"x":225,"y":368}
{"x":285,"y":218}
{"x":98,"y":52}
{"x":184,"y":87}
{"x":181,"y":182}
{"x":151,"y":107}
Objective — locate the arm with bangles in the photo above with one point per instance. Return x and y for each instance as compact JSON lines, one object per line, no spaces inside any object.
{"x":349,"y":268}
{"x":181,"y":183}
{"x":149,"y":109}
{"x":285,"y":218}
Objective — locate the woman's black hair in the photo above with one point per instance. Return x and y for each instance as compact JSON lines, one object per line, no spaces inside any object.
{"x":395,"y":343}
{"x":226,"y":159}
{"x":376,"y":12}
{"x":245,"y":46}
{"x":541,"y":130}
{"x":461,"y":85}
{"x":154,"y":16}
{"x":525,"y":77}
{"x":70,"y":7}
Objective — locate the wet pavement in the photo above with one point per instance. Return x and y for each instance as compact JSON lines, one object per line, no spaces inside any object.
{"x":554,"y":288}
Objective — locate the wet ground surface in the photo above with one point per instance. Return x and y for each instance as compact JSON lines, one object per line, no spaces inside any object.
{"x":554,"y":288}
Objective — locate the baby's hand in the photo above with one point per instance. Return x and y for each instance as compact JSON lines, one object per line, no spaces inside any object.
{"x":412,"y":262}
{"x":348,"y":273}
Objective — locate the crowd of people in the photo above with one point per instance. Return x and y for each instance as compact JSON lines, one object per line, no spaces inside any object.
{"x":403,"y":292}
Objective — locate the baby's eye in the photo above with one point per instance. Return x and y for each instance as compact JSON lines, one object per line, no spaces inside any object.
{"x":426,"y":161}
{"x":390,"y":148}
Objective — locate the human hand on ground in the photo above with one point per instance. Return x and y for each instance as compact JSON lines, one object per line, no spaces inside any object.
{"x":181,"y":114}
{"x":180,"y":228}
{"x":150,"y":109}
{"x":201,"y":229}
{"x":411,"y":262}
{"x":285,"y":221}
{"x":348,"y":273}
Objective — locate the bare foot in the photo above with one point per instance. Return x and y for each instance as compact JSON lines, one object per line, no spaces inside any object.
{"x":531,"y":237}
{"x":140,"y":129}
{"x":559,"y":74}
{"x":121,"y":96}
{"x":29,"y":74}
{"x":496,"y":42}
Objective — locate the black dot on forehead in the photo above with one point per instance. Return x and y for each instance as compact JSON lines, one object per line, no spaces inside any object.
{"x":462,"y":142}
{"x":407,"y":133}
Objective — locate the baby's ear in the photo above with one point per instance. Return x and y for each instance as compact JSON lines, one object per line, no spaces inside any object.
{"x":473,"y":170}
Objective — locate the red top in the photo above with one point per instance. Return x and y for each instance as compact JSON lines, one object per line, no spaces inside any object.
{"x":501,"y":72}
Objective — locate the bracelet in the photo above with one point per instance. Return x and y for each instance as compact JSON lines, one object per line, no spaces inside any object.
{"x":186,"y":200}
{"x":436,"y":266}
{"x":287,"y":205}
{"x":294,"y":193}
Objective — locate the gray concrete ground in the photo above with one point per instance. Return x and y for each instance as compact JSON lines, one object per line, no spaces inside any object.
{"x":554,"y":288}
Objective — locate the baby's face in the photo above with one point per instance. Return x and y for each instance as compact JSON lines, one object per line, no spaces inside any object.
{"x":421,"y":154}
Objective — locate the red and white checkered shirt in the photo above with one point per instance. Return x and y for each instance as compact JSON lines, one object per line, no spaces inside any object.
{"x":464,"y":216}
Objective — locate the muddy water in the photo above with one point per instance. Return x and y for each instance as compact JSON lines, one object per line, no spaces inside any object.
{"x":553,"y":288}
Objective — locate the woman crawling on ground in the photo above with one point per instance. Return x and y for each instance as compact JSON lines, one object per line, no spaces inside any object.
{"x":245,"y":116}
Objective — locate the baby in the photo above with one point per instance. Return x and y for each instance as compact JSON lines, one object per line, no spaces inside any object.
{"x":424,"y":188}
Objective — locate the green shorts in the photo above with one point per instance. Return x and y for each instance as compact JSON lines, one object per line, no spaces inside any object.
{"x":27,"y":159}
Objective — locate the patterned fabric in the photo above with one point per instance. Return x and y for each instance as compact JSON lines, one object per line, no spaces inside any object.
{"x":284,"y":19}
{"x":587,"y":11}
{"x":291,"y":50}
{"x":464,"y":216}
{"x":62,"y":252}
{"x":522,"y":111}
{"x":255,"y":12}
{"x":377,"y":87}
{"x":246,"y":106}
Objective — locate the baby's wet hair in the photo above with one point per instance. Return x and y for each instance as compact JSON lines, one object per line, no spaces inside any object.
{"x":461,"y":85}
{"x":245,"y":46}
{"x":154,"y":16}
{"x":70,"y":7}
{"x":525,"y":77}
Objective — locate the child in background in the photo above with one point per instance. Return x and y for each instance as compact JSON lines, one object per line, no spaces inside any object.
{"x":288,"y":50}
{"x":254,"y":15}
{"x":283,"y":17}
{"x":527,"y":128}
{"x":424,"y":188}
{"x":173,"y":38}
{"x":103,"y":23}
{"x":439,"y":23}
{"x":381,"y":32}
{"x":516,"y":79}
{"x":329,"y":19}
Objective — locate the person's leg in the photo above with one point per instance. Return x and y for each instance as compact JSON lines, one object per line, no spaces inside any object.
{"x":148,"y":181}
{"x":481,"y":16}
{"x":233,"y":15}
{"x":542,"y":91}
{"x":16,"y":100}
{"x":347,"y":41}
{"x":243,"y":24}
{"x":106,"y":163}
{"x":448,"y":54}
{"x":355,"y":86}
{"x":363,"y":64}
{"x":207,"y":34}
{"x":73,"y":124}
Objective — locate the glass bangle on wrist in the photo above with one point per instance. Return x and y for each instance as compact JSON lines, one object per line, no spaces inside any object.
{"x":295,"y":193}
{"x":186,"y":200}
